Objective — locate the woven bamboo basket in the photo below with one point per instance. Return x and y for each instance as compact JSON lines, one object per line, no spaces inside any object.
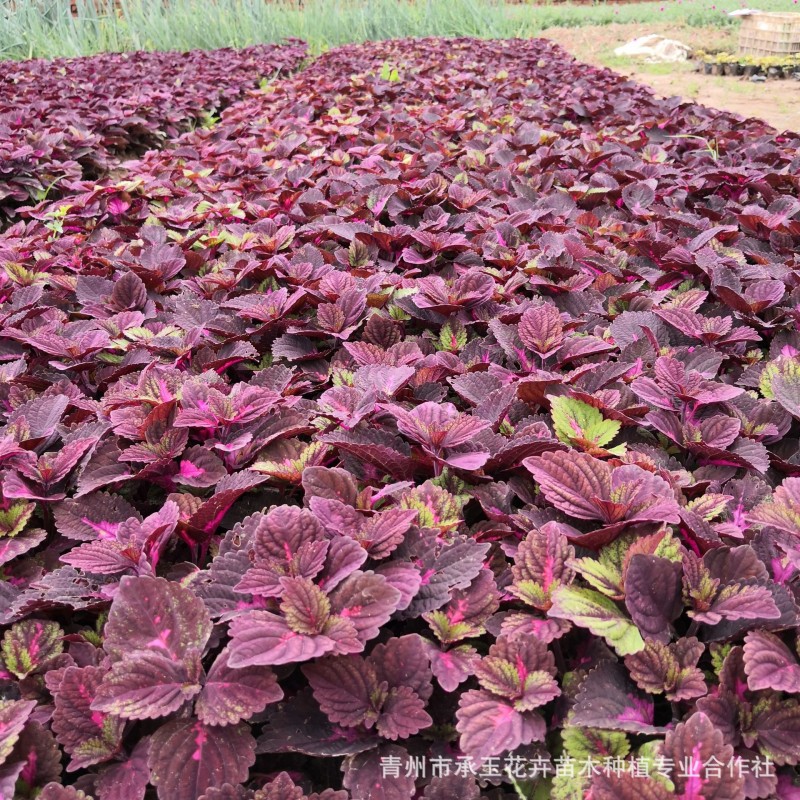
{"x":770,"y":34}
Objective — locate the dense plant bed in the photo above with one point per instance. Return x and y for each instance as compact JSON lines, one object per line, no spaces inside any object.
{"x":426,"y":428}
{"x":67,"y":119}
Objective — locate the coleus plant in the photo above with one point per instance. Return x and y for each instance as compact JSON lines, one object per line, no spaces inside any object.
{"x":430,"y":415}
{"x":59,"y":125}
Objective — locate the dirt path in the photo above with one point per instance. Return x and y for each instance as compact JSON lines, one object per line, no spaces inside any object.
{"x":776,"y":101}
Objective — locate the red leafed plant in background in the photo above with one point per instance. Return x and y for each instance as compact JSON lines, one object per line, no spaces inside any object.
{"x":70,"y":118}
{"x":439,"y":403}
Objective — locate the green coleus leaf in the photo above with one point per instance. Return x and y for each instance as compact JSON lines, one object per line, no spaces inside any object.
{"x":389,"y":73}
{"x":437,"y":507}
{"x":781,"y":510}
{"x":601,"y":574}
{"x":286,"y":460}
{"x":669,"y":547}
{"x":580,"y":425}
{"x":13,"y":716}
{"x":542,"y":562}
{"x":452,"y":337}
{"x":785,"y":372}
{"x":29,"y":645}
{"x":710,"y":506}
{"x":592,"y":743}
{"x":569,"y":786}
{"x":14,"y":518}
{"x":669,"y":668}
{"x":606,"y":573}
{"x":520,"y":670}
{"x":601,"y":615}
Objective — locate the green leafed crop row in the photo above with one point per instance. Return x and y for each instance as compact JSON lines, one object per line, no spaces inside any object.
{"x":46,"y":28}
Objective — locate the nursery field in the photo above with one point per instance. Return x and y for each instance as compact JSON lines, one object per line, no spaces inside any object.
{"x":415,"y":422}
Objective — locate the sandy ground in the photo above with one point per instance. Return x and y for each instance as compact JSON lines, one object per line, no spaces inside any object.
{"x":777,"y":101}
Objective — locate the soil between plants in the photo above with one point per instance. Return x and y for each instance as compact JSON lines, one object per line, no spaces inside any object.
{"x":776,"y":101}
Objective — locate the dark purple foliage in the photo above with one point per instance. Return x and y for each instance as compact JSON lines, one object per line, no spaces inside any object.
{"x":447,"y":416}
{"x":73,"y":118}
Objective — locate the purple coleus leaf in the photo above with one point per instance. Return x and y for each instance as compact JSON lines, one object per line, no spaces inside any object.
{"x":375,"y":353}
{"x":89,"y":736}
{"x":281,"y":788}
{"x":154,"y":614}
{"x":639,"y":196}
{"x":385,"y":452}
{"x":693,"y":744}
{"x":769,"y":664}
{"x":608,"y":699}
{"x":541,"y":329}
{"x":20,"y":544}
{"x":490,"y":725}
{"x":230,"y":695}
{"x":363,"y":774}
{"x":625,"y":786}
{"x":442,"y":569}
{"x":516,"y":677}
{"x":468,"y":610}
{"x":330,"y":484}
{"x":312,"y":623}
{"x":589,"y":489}
{"x":205,"y":520}
{"x":287,"y":542}
{"x":126,"y":779}
{"x":186,"y":757}
{"x":13,"y":716}
{"x":306,"y":629}
{"x":299,"y":726}
{"x":342,"y":317}
{"x":350,"y":691}
{"x":148,"y":684}
{"x":452,"y":666}
{"x":96,"y":516}
{"x":774,"y":728}
{"x":470,"y":290}
{"x":781,"y":510}
{"x":443,"y":432}
{"x":200,"y":468}
{"x":653,"y":594}
{"x":135,"y":545}
{"x":378,"y":534}
{"x":715,"y":594}
{"x":437,"y":425}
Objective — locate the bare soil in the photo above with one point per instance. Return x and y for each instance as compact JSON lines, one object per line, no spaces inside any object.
{"x":776,"y":101}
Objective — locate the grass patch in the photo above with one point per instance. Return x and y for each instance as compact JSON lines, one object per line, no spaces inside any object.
{"x":45,"y":28}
